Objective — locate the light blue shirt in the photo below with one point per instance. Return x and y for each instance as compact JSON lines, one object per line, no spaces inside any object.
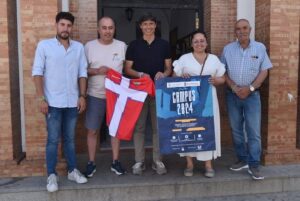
{"x":243,"y":65}
{"x":61,"y":69}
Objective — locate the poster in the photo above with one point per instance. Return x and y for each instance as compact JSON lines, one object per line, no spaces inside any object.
{"x":185,"y":117}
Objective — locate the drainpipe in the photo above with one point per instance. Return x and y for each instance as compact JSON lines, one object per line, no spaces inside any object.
{"x":65,"y":5}
{"x":21,"y":81}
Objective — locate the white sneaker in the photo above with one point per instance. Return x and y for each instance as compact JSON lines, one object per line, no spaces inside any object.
{"x":76,"y":176}
{"x":138,"y":168}
{"x":52,"y":183}
{"x":159,"y":167}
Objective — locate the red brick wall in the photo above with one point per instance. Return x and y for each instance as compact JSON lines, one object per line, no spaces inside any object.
{"x":85,"y":27}
{"x":283,"y":42}
{"x":219,"y":19}
{"x":38,"y":20}
{"x":262,"y":34}
{"x":6,"y":148}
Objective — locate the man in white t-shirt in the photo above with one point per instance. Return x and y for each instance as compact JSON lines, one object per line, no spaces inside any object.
{"x":102,"y":54}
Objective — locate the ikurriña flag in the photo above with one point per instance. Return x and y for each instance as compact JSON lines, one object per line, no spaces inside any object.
{"x":124,"y":102}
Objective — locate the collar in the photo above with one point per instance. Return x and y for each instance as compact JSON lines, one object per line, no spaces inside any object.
{"x":250,"y":44}
{"x":155,"y":39}
{"x":59,"y":43}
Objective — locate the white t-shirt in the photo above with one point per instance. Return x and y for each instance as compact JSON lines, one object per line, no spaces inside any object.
{"x":112,"y":55}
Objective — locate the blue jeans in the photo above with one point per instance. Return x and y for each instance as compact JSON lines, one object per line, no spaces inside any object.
{"x":61,"y":121}
{"x":245,"y":112}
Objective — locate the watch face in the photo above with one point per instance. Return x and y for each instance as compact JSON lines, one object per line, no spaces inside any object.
{"x":252,"y":88}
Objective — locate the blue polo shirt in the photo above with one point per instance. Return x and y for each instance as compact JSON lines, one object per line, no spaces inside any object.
{"x":148,"y":58}
{"x":243,"y":65}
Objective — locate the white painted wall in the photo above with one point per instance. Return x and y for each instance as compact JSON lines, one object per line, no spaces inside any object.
{"x":246,"y":10}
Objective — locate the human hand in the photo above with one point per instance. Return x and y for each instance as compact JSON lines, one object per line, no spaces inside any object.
{"x":141,"y":75}
{"x":185,"y":75}
{"x":81,"y":104}
{"x":243,"y":92}
{"x":159,"y":75}
{"x":43,"y":106}
{"x":215,"y":80}
{"x":102,"y":70}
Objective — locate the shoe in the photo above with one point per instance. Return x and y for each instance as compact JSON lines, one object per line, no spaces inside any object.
{"x":239,"y":166}
{"x":52,"y":183}
{"x":255,"y":173}
{"x":159,"y":167}
{"x":90,"y":169}
{"x":76,"y":176}
{"x":210,"y":173}
{"x":138,"y":168}
{"x":188,"y":172}
{"x":117,"y":168}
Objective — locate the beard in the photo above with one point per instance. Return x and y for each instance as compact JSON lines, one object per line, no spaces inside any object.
{"x":64,"y":35}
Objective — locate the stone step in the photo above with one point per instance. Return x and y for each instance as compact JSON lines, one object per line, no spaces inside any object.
{"x":107,"y":186}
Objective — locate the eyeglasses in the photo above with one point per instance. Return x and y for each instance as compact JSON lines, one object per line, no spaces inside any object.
{"x":196,"y":42}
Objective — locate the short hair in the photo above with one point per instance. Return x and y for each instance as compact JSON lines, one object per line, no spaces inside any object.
{"x":242,"y":19}
{"x":66,"y":16}
{"x":147,"y":17}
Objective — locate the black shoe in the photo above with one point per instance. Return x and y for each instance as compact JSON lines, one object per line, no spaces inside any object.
{"x":117,"y":168}
{"x":255,"y":173}
{"x":90,"y":169}
{"x":239,"y":166}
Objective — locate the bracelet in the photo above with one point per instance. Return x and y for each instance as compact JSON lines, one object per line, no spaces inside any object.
{"x":42,"y":98}
{"x":140,"y":74}
{"x":82,"y":95}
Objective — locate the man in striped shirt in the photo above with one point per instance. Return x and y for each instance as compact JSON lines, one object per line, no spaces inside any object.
{"x":247,"y":65}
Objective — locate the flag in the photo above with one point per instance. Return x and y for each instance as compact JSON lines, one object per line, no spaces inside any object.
{"x":124,"y":102}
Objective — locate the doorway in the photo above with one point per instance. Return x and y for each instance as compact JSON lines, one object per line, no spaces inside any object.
{"x":177,"y":19}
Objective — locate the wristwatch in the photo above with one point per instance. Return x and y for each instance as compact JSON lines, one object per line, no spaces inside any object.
{"x":251,"y":88}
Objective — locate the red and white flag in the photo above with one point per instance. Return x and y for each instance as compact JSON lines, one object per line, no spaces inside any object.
{"x":124,"y":102}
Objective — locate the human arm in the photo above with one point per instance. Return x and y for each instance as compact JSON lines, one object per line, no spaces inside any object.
{"x":131,"y":72}
{"x":167,"y":72}
{"x":101,"y":70}
{"x":81,"y":104}
{"x":39,"y":86}
{"x":244,"y":91}
{"x":216,"y":81}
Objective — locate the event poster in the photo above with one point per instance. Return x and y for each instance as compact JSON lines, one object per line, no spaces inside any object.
{"x":185,"y":117}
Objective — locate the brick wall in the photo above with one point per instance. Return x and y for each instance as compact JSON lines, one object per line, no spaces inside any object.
{"x":283,"y":42}
{"x":6,"y":148}
{"x":219,"y":19}
{"x":85,"y":29}
{"x":38,"y":20}
{"x":262,"y":34}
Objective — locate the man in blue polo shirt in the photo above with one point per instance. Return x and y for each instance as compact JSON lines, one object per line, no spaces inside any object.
{"x":60,"y":72}
{"x":247,"y":65}
{"x":148,"y":56}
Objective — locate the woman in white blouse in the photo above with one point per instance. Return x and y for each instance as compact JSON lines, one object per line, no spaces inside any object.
{"x":191,"y":64}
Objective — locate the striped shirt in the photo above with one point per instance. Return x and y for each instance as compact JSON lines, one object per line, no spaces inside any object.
{"x":243,"y":65}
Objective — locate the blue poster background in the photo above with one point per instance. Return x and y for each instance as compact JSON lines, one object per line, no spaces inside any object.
{"x":185,"y":117}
